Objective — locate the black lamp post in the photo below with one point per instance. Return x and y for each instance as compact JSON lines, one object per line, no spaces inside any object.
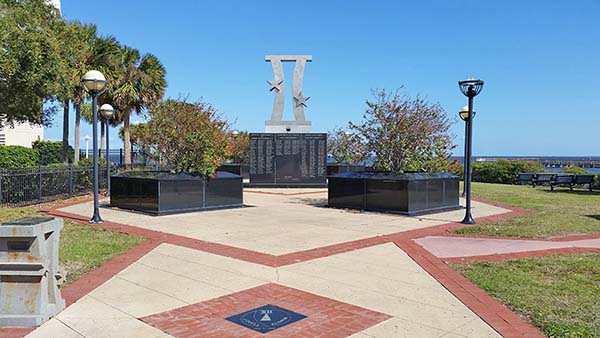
{"x":235,"y":134}
{"x":464,"y":115}
{"x":107,"y":111}
{"x":470,"y":88}
{"x":94,"y":83}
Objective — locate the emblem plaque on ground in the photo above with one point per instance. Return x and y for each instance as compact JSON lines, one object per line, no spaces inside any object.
{"x":266,"y":318}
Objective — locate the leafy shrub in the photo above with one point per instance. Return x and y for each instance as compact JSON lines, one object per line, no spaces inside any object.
{"x":346,"y":147}
{"x":457,"y":169}
{"x":187,"y":137}
{"x":51,"y":152}
{"x":240,"y":152}
{"x":403,"y":133}
{"x":503,"y":171}
{"x":89,"y":161}
{"x":18,"y":157}
{"x":596,"y":184}
{"x":574,"y":170}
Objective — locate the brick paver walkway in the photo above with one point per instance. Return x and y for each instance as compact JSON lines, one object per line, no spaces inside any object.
{"x":350,"y":273}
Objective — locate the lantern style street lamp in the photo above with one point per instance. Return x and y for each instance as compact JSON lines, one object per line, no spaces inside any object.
{"x":94,"y":83}
{"x":464,"y":115}
{"x":470,"y":88}
{"x":107,"y":112}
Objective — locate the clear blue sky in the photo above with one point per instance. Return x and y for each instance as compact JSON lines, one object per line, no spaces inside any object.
{"x":540,"y":60}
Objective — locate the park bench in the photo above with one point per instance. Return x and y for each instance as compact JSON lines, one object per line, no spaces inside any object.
{"x":543,"y":178}
{"x":573,"y":180}
{"x":583,"y":180}
{"x":526,"y":178}
{"x":562,"y":180}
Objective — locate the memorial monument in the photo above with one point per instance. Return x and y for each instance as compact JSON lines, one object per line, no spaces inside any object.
{"x":287,"y":154}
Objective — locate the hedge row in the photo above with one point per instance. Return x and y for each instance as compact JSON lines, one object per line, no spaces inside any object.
{"x":42,"y":153}
{"x":506,"y":171}
{"x":503,"y":171}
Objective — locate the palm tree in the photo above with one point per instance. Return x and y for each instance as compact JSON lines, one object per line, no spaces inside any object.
{"x":86,"y":115}
{"x":139,"y":85}
{"x":93,"y":52}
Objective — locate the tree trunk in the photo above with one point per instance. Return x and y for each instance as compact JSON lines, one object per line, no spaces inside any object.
{"x":77,"y":122}
{"x":102,"y":137}
{"x":65,"y":138}
{"x":127,"y":139}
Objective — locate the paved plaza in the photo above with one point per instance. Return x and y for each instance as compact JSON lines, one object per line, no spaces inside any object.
{"x":364,"y":285}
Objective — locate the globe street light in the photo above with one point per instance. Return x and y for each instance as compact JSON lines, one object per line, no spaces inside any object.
{"x":464,"y":115}
{"x":94,"y":83}
{"x":470,"y":88}
{"x":107,"y":112}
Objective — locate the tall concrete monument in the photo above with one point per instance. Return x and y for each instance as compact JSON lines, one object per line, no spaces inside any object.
{"x":276,"y":124}
{"x":287,"y":154}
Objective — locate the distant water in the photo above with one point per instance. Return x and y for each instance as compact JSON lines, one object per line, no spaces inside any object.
{"x":558,"y":169}
{"x":586,"y":159}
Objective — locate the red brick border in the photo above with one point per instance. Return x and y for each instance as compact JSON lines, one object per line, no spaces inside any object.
{"x":290,"y":258}
{"x":14,"y":332}
{"x":498,"y":316}
{"x":325,"y":317}
{"x":93,"y":279}
{"x":518,"y":255}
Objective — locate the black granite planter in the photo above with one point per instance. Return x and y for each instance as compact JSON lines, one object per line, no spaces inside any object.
{"x":409,"y":193}
{"x":338,"y":168}
{"x":234,"y":168}
{"x":161,"y":193}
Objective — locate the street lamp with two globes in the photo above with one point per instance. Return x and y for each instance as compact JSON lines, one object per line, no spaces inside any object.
{"x":94,"y":83}
{"x":470,"y":88}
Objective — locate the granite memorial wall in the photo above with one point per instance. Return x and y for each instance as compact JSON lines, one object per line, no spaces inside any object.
{"x":288,"y":159}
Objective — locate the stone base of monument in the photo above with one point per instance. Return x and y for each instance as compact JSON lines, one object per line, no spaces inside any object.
{"x":408,"y":193}
{"x":294,"y":127}
{"x":288,"y":160}
{"x":30,"y":275}
{"x":161,"y":193}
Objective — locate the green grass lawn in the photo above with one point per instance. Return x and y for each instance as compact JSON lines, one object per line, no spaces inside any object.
{"x":559,"y":294}
{"x":82,"y":248}
{"x":557,"y":213}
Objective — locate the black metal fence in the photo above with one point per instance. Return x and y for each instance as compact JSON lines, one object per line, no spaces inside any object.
{"x":117,"y":156}
{"x":42,"y":184}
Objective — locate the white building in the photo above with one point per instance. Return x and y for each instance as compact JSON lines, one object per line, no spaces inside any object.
{"x":55,"y":4}
{"x":22,"y":134}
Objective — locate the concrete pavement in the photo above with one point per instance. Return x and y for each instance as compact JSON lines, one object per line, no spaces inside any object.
{"x":372,"y":291}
